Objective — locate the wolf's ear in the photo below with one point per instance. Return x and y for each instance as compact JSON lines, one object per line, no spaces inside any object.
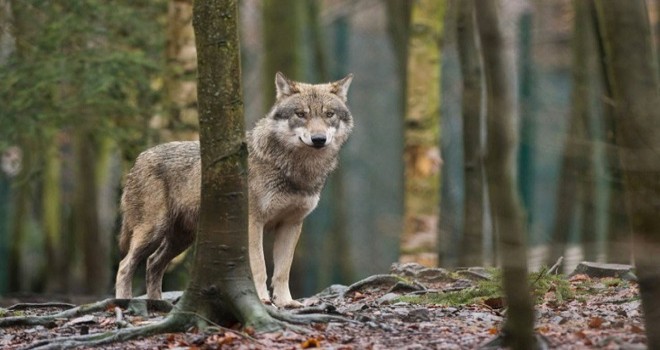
{"x":284,"y":87}
{"x":340,"y":87}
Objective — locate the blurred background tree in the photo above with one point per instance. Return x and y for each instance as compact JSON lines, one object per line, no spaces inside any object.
{"x":88,"y":85}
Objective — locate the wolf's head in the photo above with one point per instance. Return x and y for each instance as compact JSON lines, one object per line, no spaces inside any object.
{"x":311,"y":116}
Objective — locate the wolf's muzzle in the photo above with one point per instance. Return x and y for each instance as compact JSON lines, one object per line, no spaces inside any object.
{"x":318,"y":140}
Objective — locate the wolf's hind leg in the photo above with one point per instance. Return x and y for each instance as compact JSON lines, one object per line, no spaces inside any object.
{"x":286,"y":239}
{"x":257,"y":261}
{"x":157,"y":263}
{"x":138,"y":250}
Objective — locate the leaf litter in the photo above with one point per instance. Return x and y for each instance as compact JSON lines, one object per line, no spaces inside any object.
{"x":411,"y":308}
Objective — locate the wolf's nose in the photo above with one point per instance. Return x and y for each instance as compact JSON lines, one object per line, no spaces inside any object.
{"x":318,"y":140}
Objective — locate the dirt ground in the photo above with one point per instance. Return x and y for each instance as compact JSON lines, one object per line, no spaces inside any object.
{"x":395,"y":311}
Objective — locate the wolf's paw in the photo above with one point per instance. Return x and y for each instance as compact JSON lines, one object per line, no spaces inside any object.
{"x":291,"y":304}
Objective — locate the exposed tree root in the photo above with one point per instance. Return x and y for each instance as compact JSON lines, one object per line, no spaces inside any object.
{"x":375,"y":280}
{"x":176,"y":322}
{"x":305,"y":318}
{"x":25,"y":306}
{"x":49,"y":320}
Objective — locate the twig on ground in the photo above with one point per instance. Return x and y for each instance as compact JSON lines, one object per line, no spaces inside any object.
{"x":555,"y":267}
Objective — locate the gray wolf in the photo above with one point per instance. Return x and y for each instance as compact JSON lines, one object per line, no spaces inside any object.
{"x":292,"y":150}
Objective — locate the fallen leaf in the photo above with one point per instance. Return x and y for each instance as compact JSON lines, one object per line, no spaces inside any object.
{"x":637,"y":329}
{"x":493,"y":331}
{"x":595,"y":322}
{"x":495,"y":303}
{"x":581,"y":334}
{"x":310,"y":343}
{"x":543,"y":329}
{"x":579,"y":278}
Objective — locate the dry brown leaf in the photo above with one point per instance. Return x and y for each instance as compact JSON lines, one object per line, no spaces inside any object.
{"x":310,"y":343}
{"x":495,"y":303}
{"x":637,"y":329}
{"x":595,"y":322}
{"x":579,"y":278}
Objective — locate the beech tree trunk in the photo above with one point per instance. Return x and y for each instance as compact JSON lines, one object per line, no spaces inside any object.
{"x":633,"y":78}
{"x":221,"y":283}
{"x":422,"y":134}
{"x":472,"y":242}
{"x":508,"y":215}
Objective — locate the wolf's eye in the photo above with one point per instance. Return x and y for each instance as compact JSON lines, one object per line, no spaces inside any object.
{"x":300,"y":114}
{"x":329,"y":114}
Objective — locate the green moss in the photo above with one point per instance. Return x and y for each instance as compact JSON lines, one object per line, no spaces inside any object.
{"x":540,"y":282}
{"x":485,"y":289}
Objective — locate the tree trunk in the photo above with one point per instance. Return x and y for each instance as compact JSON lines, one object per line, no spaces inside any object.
{"x":282,"y":35}
{"x":333,"y":201}
{"x":52,"y":217}
{"x":19,"y":218}
{"x":576,"y":190}
{"x":221,"y":281}
{"x":633,"y":77}
{"x":527,"y":152}
{"x":7,"y":46}
{"x":95,"y":255}
{"x":422,"y":134}
{"x":508,"y":216}
{"x":471,"y":253}
{"x":618,"y":231}
{"x":180,"y":83}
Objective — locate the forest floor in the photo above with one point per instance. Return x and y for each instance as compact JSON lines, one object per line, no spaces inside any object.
{"x":411,"y":308}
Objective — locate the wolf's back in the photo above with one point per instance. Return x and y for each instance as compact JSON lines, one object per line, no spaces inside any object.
{"x":162,"y":190}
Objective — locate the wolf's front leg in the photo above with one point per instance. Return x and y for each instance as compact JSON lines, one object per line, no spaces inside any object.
{"x":257,"y":262}
{"x":286,"y":239}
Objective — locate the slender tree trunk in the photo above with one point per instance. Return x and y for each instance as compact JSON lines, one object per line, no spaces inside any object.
{"x":221,"y":280}
{"x":633,"y":77}
{"x":526,"y":153}
{"x":508,"y":216}
{"x":52,"y":217}
{"x":19,"y":217}
{"x":576,"y":191}
{"x":471,"y":253}
{"x":7,"y":47}
{"x":282,"y":35}
{"x":332,"y":270}
{"x":422,"y":134}
{"x":398,"y":25}
{"x":618,"y":230}
{"x":86,"y":222}
{"x":180,"y":83}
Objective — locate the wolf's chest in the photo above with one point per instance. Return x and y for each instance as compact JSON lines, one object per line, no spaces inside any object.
{"x":274,"y":207}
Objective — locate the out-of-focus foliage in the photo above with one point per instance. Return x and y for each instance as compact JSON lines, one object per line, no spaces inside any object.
{"x":81,"y":62}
